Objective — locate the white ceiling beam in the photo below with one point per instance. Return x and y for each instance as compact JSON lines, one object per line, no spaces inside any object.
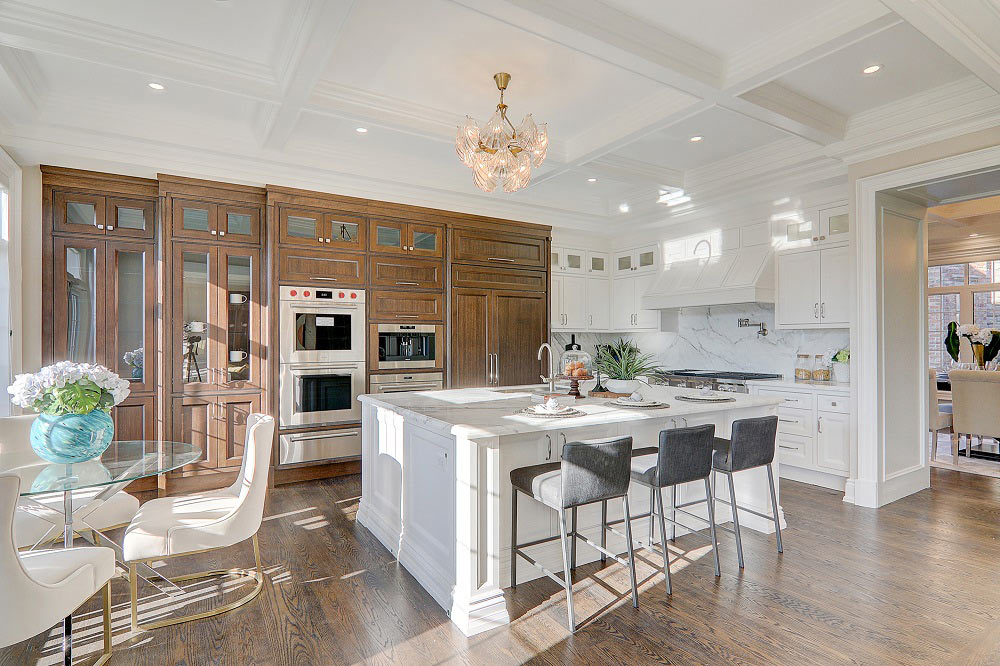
{"x":968,"y":31}
{"x":934,"y":218}
{"x":313,"y":41}
{"x":23,"y":26}
{"x":21,"y":86}
{"x":779,"y":106}
{"x":625,"y":170}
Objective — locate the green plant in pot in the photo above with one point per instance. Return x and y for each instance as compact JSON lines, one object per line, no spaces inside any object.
{"x":622,"y":364}
{"x":74,"y":402}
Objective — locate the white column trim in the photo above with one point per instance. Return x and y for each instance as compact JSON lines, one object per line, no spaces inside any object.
{"x":10,"y":174}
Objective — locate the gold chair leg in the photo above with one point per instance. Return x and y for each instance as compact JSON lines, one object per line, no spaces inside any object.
{"x":106,"y":654}
{"x":244,"y":574}
{"x":133,"y":591}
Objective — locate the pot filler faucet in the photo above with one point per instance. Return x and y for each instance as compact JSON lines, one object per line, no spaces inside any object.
{"x":551,"y":379}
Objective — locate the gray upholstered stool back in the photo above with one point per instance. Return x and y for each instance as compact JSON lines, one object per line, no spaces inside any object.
{"x":752,"y":442}
{"x":685,"y":455}
{"x":595,"y":470}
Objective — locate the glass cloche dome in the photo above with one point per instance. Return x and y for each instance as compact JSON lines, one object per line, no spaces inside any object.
{"x":575,"y":362}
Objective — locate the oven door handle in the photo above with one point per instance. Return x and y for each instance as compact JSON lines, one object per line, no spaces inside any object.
{"x":320,"y":309}
{"x":410,"y":387}
{"x":303,"y":438}
{"x":324,"y":367}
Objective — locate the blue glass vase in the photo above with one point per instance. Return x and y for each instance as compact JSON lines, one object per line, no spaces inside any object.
{"x":72,"y":438}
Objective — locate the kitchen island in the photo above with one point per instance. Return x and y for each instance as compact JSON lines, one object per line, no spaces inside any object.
{"x":435,"y":483}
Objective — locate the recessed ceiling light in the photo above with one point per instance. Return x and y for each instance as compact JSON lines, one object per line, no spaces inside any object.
{"x":623,"y":208}
{"x":155,"y":86}
{"x":696,"y":138}
{"x":361,"y":130}
{"x":591,"y":180}
{"x":871,"y":69}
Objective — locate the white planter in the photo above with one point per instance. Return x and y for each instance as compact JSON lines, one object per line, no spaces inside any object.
{"x":622,"y":385}
{"x":841,"y":372}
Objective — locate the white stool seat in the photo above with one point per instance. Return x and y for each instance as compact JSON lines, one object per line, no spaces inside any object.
{"x":175,"y":525}
{"x":31,"y":522}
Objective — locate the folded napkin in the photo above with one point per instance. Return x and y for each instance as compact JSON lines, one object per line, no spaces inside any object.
{"x":636,"y":397}
{"x":550,"y":406}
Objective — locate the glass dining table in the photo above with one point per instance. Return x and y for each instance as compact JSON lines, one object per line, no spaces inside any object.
{"x":122,"y":463}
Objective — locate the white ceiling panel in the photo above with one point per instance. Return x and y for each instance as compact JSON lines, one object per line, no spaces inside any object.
{"x":910,"y":64}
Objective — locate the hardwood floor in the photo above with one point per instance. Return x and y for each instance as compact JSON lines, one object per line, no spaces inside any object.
{"x":913,"y":583}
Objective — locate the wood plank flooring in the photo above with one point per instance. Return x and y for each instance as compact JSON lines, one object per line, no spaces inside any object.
{"x":916,"y":582}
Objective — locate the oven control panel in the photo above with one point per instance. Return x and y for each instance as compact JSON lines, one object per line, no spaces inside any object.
{"x":322,"y":295}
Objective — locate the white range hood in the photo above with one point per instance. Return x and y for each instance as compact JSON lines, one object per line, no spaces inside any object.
{"x":743,"y":276}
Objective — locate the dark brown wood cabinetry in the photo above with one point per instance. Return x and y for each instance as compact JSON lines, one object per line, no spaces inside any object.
{"x":396,"y":272}
{"x":495,"y":336}
{"x":402,"y":306}
{"x":301,"y":265}
{"x":389,"y":236}
{"x":92,"y":214}
{"x":498,"y":248}
{"x":312,"y":227}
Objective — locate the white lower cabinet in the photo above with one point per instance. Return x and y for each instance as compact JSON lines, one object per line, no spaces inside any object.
{"x":814,"y":437}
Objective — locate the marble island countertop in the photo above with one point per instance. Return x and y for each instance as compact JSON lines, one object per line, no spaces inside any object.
{"x":491,"y":412}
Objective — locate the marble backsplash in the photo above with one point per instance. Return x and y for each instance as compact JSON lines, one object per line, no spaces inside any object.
{"x":707,"y":338}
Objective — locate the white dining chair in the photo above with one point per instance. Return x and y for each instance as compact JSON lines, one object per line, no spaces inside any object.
{"x":975,"y":395}
{"x":939,"y":417}
{"x":173,"y":526}
{"x":40,"y":517}
{"x":42,"y":587}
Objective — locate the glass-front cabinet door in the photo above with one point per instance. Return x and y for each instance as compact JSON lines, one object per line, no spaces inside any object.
{"x":78,"y":309}
{"x":426,"y":240}
{"x":195,"y":318}
{"x":130,"y":218}
{"x":388,"y":236}
{"x":194,"y":219}
{"x":301,"y":226}
{"x":239,"y":223}
{"x":78,"y":213}
{"x":130,"y":338}
{"x":345,"y":231}
{"x":239,"y":319}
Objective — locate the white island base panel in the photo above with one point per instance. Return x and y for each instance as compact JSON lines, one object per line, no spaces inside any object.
{"x":436,"y":487}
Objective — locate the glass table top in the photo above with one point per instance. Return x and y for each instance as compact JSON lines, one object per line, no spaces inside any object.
{"x":123,"y":461}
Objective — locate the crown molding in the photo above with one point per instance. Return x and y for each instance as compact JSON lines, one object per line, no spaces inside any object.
{"x":35,"y":29}
{"x":22,"y":86}
{"x":627,"y":170}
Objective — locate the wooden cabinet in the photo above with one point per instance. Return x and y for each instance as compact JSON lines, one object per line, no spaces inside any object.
{"x":135,"y":418}
{"x":301,"y":265}
{"x":406,"y":272}
{"x":99,"y":215}
{"x":215,"y":424}
{"x":813,"y":288}
{"x":490,"y":277}
{"x":485,"y":351}
{"x":391,"y":236}
{"x":405,"y":306}
{"x":215,"y":221}
{"x":492,"y":247}
{"x":316,"y":228}
{"x":215,"y":341}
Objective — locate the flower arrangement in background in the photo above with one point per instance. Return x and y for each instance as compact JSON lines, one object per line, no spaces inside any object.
{"x":985,"y":342}
{"x":69,"y":388}
{"x":135,"y":359}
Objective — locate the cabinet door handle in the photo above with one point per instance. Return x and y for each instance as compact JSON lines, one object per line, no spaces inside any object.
{"x":408,"y":284}
{"x":548,"y":454}
{"x":790,"y":448}
{"x":499,"y":259}
{"x":787,"y":421}
{"x":496,"y":368}
{"x":822,"y":310}
{"x":815,"y":238}
{"x":822,"y":237}
{"x":819,"y":424}
{"x":816,"y":310}
{"x":591,"y":320}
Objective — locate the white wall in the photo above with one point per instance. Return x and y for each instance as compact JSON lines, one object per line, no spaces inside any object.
{"x":31,"y":269}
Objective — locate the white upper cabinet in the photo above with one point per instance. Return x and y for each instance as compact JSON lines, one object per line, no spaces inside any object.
{"x":626,"y":299}
{"x":638,"y":260}
{"x":815,"y":227}
{"x":813,"y":288}
{"x":569,"y":260}
{"x":834,"y":224}
{"x":580,"y":303}
{"x":598,"y":264}
{"x":598,"y":304}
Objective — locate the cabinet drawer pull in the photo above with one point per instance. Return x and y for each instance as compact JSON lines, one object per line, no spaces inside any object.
{"x":499,"y":259}
{"x":330,"y":279}
{"x":399,"y":316}
{"x":408,"y":284}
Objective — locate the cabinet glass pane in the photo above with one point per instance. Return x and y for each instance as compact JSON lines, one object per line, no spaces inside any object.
{"x":796,"y":231}
{"x":195,"y":219}
{"x":130,"y":218}
{"x":388,"y":236}
{"x":81,"y":213}
{"x":131,"y":300}
{"x":839,"y":224}
{"x":238,"y":303}
{"x":195,"y":300}
{"x":555,"y":259}
{"x":238,"y":224}
{"x":424,"y":240}
{"x":625,"y":262}
{"x":303,"y":227}
{"x":647,"y":259}
{"x":81,"y":304}
{"x":345,"y":232}
{"x":597,"y":264}
{"x":574,"y":261}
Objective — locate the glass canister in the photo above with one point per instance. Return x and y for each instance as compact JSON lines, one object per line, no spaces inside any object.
{"x":803,"y":367}
{"x":575,"y":362}
{"x":821,"y":369}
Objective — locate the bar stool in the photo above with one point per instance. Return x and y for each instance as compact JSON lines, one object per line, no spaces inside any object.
{"x":683,"y":455}
{"x":751,"y":445}
{"x":590,"y":471}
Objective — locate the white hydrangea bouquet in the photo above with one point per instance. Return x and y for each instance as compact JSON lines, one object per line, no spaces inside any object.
{"x":135,"y":359}
{"x":69,"y":388}
{"x":985,"y":341}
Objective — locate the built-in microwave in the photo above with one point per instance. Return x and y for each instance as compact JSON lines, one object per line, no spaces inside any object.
{"x":409,"y":346}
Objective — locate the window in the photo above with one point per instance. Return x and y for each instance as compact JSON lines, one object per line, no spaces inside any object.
{"x":968,"y":293}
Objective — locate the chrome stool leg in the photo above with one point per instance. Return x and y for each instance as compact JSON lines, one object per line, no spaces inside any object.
{"x":604,"y":529}
{"x":774,"y":507}
{"x":513,"y":537}
{"x":652,"y":503}
{"x":572,"y":558}
{"x":673,"y":513}
{"x":711,"y":525}
{"x":631,"y":551}
{"x":663,"y":537}
{"x":568,"y":579}
{"x":736,"y":518}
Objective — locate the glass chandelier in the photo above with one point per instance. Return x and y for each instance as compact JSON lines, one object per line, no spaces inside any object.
{"x":499,"y":152}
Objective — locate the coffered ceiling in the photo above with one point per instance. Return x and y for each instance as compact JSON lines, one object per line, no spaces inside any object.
{"x":269,"y":91}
